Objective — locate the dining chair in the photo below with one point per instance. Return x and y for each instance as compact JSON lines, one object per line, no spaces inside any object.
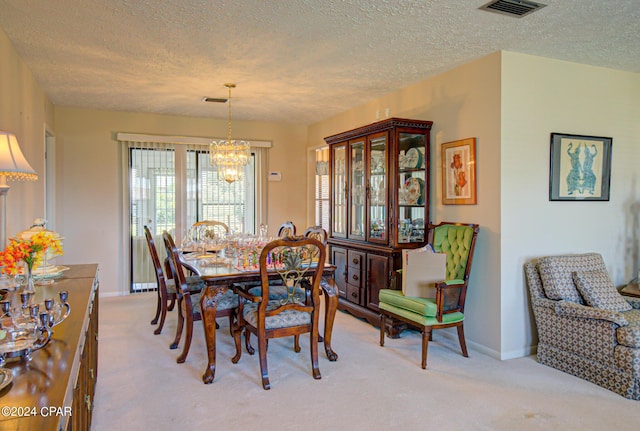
{"x":208,"y":229}
{"x":298,"y":262}
{"x":166,"y":288}
{"x":319,"y":233}
{"x":166,"y":297}
{"x":286,"y":229}
{"x":188,"y":300}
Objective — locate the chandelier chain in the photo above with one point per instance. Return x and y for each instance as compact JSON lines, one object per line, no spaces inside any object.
{"x":229,"y":86}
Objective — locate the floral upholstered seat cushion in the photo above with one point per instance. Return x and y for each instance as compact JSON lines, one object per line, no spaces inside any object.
{"x":556,"y":273}
{"x":598,"y":291}
{"x":281,"y":320}
{"x":226,"y":301}
{"x":194,"y":284}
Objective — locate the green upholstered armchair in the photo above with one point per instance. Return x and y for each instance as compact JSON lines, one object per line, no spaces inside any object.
{"x":446,"y":310}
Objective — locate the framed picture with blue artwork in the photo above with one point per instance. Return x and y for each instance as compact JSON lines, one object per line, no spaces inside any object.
{"x":580,"y":168}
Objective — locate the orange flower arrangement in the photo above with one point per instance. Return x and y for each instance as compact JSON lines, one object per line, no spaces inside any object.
{"x":30,"y":251}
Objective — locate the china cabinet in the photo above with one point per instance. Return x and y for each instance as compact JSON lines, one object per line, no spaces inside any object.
{"x":379,"y":206}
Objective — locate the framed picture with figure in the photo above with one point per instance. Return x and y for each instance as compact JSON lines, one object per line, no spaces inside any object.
{"x":580,"y":168}
{"x":459,"y":172}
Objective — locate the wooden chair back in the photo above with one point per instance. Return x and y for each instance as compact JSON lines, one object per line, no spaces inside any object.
{"x":164,"y":295}
{"x":317,"y":232}
{"x":155,"y":259}
{"x":207,"y":229}
{"x":287,"y":229}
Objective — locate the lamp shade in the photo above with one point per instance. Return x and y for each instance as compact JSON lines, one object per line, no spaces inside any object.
{"x":13,"y":165}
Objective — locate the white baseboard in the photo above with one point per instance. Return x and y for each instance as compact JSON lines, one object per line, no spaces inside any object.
{"x":501,"y":356}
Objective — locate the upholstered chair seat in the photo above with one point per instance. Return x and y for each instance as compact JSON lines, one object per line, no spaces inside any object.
{"x":282,"y":320}
{"x":194,"y":284}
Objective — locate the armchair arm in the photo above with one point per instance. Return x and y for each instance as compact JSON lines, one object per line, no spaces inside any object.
{"x":633,"y":300}
{"x":544,"y":303}
{"x":447,"y":299}
{"x":571,"y":309}
{"x":240,"y":291}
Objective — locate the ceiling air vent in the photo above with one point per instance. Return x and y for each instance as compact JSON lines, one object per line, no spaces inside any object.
{"x":516,"y":8}
{"x":215,"y":99}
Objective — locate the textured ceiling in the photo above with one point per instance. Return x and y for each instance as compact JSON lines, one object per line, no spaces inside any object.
{"x":295,"y":61}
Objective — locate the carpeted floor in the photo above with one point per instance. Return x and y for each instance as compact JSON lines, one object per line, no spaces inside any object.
{"x":141,"y":387}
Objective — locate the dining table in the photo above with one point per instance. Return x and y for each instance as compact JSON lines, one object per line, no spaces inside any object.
{"x":220,"y":273}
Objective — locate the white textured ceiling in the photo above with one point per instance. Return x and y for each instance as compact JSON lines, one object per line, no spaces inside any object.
{"x":294,"y":61}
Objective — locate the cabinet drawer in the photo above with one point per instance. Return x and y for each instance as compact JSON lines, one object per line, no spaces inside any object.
{"x":353,"y":293}
{"x":355,"y":259}
{"x":354,"y":276}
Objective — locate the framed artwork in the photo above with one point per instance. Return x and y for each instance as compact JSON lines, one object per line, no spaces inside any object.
{"x":459,"y":172}
{"x":580,"y":168}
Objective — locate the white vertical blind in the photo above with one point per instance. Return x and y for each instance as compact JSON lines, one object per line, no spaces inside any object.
{"x":322,"y":188}
{"x":152,"y":203}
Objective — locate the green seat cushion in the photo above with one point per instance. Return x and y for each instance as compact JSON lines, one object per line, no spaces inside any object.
{"x":422,"y":306}
{"x":419,"y":318}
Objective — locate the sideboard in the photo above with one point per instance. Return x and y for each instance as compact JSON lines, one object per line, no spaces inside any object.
{"x":54,"y":391}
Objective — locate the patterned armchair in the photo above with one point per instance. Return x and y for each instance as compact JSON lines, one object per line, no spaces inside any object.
{"x":585,"y":327}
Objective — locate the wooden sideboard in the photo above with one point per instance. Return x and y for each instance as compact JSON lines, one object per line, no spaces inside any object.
{"x":54,"y":391}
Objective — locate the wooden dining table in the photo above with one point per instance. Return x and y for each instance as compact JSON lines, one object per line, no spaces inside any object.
{"x":220,"y":275}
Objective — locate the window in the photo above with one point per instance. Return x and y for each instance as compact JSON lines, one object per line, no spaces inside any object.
{"x":171,"y":186}
{"x":214,"y":199}
{"x":322,"y":188}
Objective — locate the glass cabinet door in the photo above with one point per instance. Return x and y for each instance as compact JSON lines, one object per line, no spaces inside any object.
{"x":412,"y":191}
{"x":339,"y":188}
{"x":357,"y":190}
{"x":377,"y":191}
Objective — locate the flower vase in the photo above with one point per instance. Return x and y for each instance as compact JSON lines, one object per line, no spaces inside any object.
{"x":29,"y":286}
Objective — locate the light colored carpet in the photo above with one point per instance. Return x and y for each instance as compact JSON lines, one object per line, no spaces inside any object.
{"x":141,"y":387}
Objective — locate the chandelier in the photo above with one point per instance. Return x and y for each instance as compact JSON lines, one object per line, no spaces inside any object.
{"x":229,"y":156}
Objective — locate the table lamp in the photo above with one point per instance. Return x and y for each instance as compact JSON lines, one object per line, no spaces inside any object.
{"x":13,"y":166}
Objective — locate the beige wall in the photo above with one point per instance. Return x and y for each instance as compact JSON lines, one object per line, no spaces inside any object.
{"x":89,"y":190}
{"x":541,"y":96}
{"x":25,"y":111}
{"x":462,"y":103}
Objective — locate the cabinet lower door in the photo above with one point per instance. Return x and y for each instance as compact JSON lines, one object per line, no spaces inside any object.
{"x":339,"y":259}
{"x":377,"y":278}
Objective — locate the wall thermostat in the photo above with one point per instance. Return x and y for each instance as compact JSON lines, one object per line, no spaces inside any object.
{"x":275,"y":176}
